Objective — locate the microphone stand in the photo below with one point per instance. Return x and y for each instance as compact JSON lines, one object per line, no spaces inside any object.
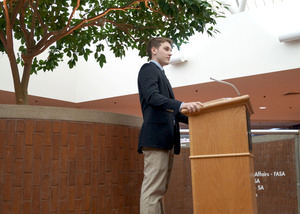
{"x":220,"y":81}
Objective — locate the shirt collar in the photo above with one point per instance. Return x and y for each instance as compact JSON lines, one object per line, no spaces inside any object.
{"x":156,"y":63}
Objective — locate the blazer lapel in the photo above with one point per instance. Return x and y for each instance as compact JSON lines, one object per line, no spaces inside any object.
{"x":169,"y":85}
{"x":166,"y":79}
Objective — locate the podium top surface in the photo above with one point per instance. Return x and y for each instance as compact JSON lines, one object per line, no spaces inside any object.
{"x":223,"y":103}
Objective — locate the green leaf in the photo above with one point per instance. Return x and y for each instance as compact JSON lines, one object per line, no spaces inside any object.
{"x":45,"y":26}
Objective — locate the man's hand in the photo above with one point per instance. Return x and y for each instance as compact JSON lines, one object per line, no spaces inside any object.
{"x":192,"y":107}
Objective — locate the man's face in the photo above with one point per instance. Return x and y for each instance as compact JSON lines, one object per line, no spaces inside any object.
{"x":162,"y":54}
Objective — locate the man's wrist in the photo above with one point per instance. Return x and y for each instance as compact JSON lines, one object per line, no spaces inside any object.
{"x":180,"y":107}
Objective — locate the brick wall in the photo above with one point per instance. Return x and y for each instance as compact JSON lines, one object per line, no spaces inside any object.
{"x":61,"y":166}
{"x":68,"y":167}
{"x":276,"y":184}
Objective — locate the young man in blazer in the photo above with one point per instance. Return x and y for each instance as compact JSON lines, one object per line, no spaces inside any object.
{"x":159,"y":137}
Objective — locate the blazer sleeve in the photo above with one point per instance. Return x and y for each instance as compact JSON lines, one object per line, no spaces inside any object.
{"x":148,"y":82}
{"x":182,"y":118}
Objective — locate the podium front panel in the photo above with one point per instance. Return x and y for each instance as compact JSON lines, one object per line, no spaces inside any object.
{"x":221,"y":162}
{"x":219,"y":132}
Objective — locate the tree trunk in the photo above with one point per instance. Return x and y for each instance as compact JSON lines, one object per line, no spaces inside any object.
{"x":22,"y":98}
{"x":21,"y":87}
{"x":21,"y":92}
{"x":16,"y":77}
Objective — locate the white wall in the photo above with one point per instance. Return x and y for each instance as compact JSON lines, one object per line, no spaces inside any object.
{"x":248,"y":44}
{"x":60,"y":84}
{"x":118,"y":77}
{"x":6,"y":81}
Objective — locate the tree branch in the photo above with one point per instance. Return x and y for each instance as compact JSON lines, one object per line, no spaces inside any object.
{"x":31,"y":34}
{"x":2,"y":34}
{"x":73,"y":12}
{"x":9,"y":35}
{"x":15,"y":12}
{"x":22,"y":23}
{"x":3,"y":39}
{"x":125,"y":27}
{"x":9,"y":47}
{"x":156,"y":11}
{"x":39,"y":17}
{"x":67,"y":30}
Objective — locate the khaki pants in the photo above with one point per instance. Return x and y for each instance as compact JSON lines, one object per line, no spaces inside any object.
{"x":158,"y":164}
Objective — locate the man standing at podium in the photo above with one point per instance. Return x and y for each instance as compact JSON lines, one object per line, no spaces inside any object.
{"x":159,"y":137}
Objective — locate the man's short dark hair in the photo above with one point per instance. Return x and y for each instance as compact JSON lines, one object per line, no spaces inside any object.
{"x":156,"y":42}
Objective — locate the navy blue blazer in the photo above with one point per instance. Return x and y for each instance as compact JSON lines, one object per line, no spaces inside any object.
{"x":161,"y":113}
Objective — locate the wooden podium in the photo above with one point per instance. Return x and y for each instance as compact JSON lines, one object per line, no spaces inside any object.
{"x":221,"y":161}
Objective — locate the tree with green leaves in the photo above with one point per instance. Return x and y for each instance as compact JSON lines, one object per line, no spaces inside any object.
{"x":72,"y":27}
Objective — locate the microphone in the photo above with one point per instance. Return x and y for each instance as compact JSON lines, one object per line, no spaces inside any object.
{"x":220,"y":81}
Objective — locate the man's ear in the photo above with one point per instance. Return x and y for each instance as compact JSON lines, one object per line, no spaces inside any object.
{"x":153,"y":50}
